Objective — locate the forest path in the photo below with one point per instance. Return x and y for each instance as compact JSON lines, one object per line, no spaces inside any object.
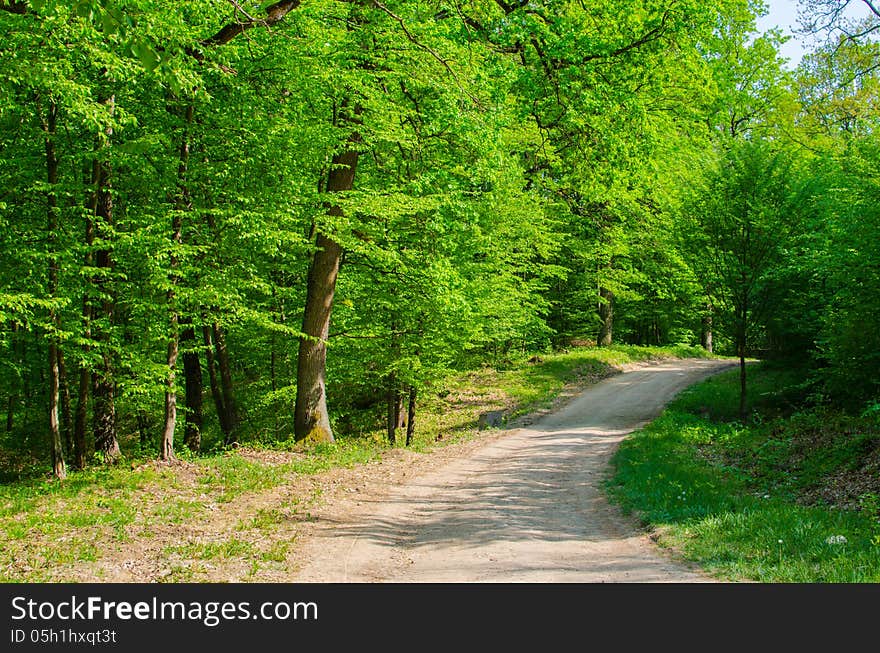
{"x":526,"y":506}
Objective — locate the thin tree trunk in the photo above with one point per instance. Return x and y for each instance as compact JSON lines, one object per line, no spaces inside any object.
{"x":743,"y":412}
{"x":166,"y":444}
{"x":393,"y":405}
{"x":104,"y":386}
{"x":66,"y":416}
{"x":741,"y":352}
{"x":274,"y":378}
{"x":10,"y":413}
{"x":182,"y":203}
{"x":706,"y":330}
{"x":216,"y":393}
{"x":311,"y":419}
{"x":231,"y":409}
{"x":59,"y":469}
{"x":13,"y":395}
{"x":606,"y":317}
{"x":192,"y":371}
{"x":143,"y":425}
{"x":411,"y":415}
{"x":706,"y":334}
{"x":80,"y":420}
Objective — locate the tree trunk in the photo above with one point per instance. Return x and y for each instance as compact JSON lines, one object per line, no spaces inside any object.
{"x":229,"y":405}
{"x":393,"y":404}
{"x":216,"y":393}
{"x":311,"y":420}
{"x":166,"y":444}
{"x":13,"y":394}
{"x":104,"y":412}
{"x":10,"y":413}
{"x":743,"y":412}
{"x":182,"y":204}
{"x":706,"y":330}
{"x":143,"y":425}
{"x":741,"y":352}
{"x":192,"y":371}
{"x":49,"y":124}
{"x":606,"y":317}
{"x":58,"y":467}
{"x":80,"y":419}
{"x":66,"y":417}
{"x":411,"y":415}
{"x":104,"y":386}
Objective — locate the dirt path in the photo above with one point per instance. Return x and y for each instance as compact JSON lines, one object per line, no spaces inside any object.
{"x":524,"y":506}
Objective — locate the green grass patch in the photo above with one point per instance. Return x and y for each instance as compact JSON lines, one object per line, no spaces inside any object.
{"x":277,"y":552}
{"x":226,"y":549}
{"x":779,"y":499}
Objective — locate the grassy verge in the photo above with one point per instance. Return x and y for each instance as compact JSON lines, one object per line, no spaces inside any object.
{"x":789,"y":497}
{"x":47,"y":527}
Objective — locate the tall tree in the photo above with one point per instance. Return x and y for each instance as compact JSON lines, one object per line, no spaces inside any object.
{"x":742,"y":216}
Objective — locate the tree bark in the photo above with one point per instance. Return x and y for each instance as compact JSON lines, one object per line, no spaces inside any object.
{"x":706,"y":328}
{"x":743,"y":412}
{"x":606,"y":317}
{"x":10,"y":413}
{"x":104,"y":412}
{"x":393,"y":405}
{"x":80,"y":419}
{"x":229,"y":405}
{"x":311,"y":419}
{"x":192,"y":371}
{"x":182,"y":203}
{"x":13,"y":395}
{"x":706,"y":333}
{"x":103,"y":381}
{"x":59,"y":469}
{"x":411,"y":415}
{"x":166,"y":444}
{"x":216,"y":393}
{"x":741,"y":333}
{"x":66,"y":416}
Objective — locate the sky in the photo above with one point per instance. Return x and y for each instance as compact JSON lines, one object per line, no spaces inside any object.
{"x":783,"y":14}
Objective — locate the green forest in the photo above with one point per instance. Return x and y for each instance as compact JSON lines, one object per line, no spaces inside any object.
{"x":234,"y":222}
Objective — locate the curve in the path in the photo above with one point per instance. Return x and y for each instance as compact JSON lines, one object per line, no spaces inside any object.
{"x":527,"y":507}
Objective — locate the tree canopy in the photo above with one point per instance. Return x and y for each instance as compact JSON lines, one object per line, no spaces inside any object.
{"x":225,"y":221}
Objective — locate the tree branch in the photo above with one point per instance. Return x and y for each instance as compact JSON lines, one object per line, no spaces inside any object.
{"x":412,"y":39}
{"x":14,"y":6}
{"x":274,"y":14}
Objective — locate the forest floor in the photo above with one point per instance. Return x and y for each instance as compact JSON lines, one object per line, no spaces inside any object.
{"x":520,"y":504}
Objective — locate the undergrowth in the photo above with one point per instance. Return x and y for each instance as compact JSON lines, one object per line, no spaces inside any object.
{"x":789,"y":496}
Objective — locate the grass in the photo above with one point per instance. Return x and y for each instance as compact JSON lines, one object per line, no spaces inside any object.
{"x":786,"y":497}
{"x":48,"y":527}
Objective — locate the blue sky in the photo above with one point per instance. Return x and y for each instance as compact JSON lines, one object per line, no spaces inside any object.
{"x":783,"y":14}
